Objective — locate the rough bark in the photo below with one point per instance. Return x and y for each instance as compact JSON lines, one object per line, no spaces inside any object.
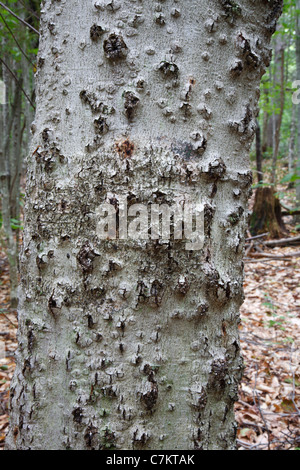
{"x":134,"y":344}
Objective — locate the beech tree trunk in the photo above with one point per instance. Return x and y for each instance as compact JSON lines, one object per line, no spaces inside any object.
{"x":134,"y":344}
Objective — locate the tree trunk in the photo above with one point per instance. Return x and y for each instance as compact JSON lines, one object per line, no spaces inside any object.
{"x":292,"y":142}
{"x":266,"y":215}
{"x":16,"y":156}
{"x":260,"y":176}
{"x":278,"y":102}
{"x":134,"y":344}
{"x":266,"y":137}
{"x":28,"y":88}
{"x":5,"y":180}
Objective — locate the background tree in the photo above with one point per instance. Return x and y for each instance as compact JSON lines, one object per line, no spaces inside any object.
{"x":17,"y":51}
{"x":278,"y":121}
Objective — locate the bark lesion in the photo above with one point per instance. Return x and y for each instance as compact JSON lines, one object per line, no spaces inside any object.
{"x":86,"y":258}
{"x":232,"y":10}
{"x":149,"y":395}
{"x":96,"y":32}
{"x":115,"y":47}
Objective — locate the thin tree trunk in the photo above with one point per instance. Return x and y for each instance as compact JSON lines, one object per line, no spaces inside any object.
{"x":133,"y":343}
{"x":5,"y":177}
{"x":298,"y":107}
{"x":265,"y":129}
{"x":260,"y":175}
{"x":28,"y":110}
{"x":16,"y":169}
{"x":266,"y":215}
{"x":292,"y":141}
{"x":16,"y":156}
{"x":279,"y":76}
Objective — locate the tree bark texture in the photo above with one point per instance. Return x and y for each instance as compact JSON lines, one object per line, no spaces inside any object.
{"x":132,"y":344}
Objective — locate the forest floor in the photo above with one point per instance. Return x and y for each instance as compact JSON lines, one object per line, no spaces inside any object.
{"x":268,"y":409}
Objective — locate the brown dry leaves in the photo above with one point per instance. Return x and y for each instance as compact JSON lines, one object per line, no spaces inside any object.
{"x":268,"y":410}
{"x":7,"y":343}
{"x":270,"y":391}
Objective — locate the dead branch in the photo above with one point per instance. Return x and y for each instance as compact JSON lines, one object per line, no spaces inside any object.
{"x":286,"y":214}
{"x":271,"y":256}
{"x":257,"y":237}
{"x":283,"y":242}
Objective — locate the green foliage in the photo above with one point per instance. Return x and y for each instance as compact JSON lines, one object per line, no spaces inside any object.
{"x":13,"y":32}
{"x":291,"y":177}
{"x":15,"y":224}
{"x":262,"y":185}
{"x":276,"y":322}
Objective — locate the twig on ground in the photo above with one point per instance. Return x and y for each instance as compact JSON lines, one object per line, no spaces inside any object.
{"x":8,"y":319}
{"x":257,"y":402}
{"x":271,"y":256}
{"x":257,"y":237}
{"x":283,"y":242}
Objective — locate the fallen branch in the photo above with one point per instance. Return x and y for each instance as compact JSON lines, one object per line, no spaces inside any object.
{"x":263,"y":261}
{"x":270,"y":256}
{"x":283,"y":242}
{"x":257,"y":237}
{"x":249,"y":248}
{"x":257,"y":403}
{"x":289,"y":210}
{"x":286,"y":214}
{"x":9,"y":320}
{"x":253,"y":425}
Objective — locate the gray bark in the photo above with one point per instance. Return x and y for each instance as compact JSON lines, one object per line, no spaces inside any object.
{"x":134,"y":344}
{"x":292,"y":141}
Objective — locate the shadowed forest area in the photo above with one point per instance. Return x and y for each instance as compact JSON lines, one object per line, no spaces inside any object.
{"x":268,"y":409}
